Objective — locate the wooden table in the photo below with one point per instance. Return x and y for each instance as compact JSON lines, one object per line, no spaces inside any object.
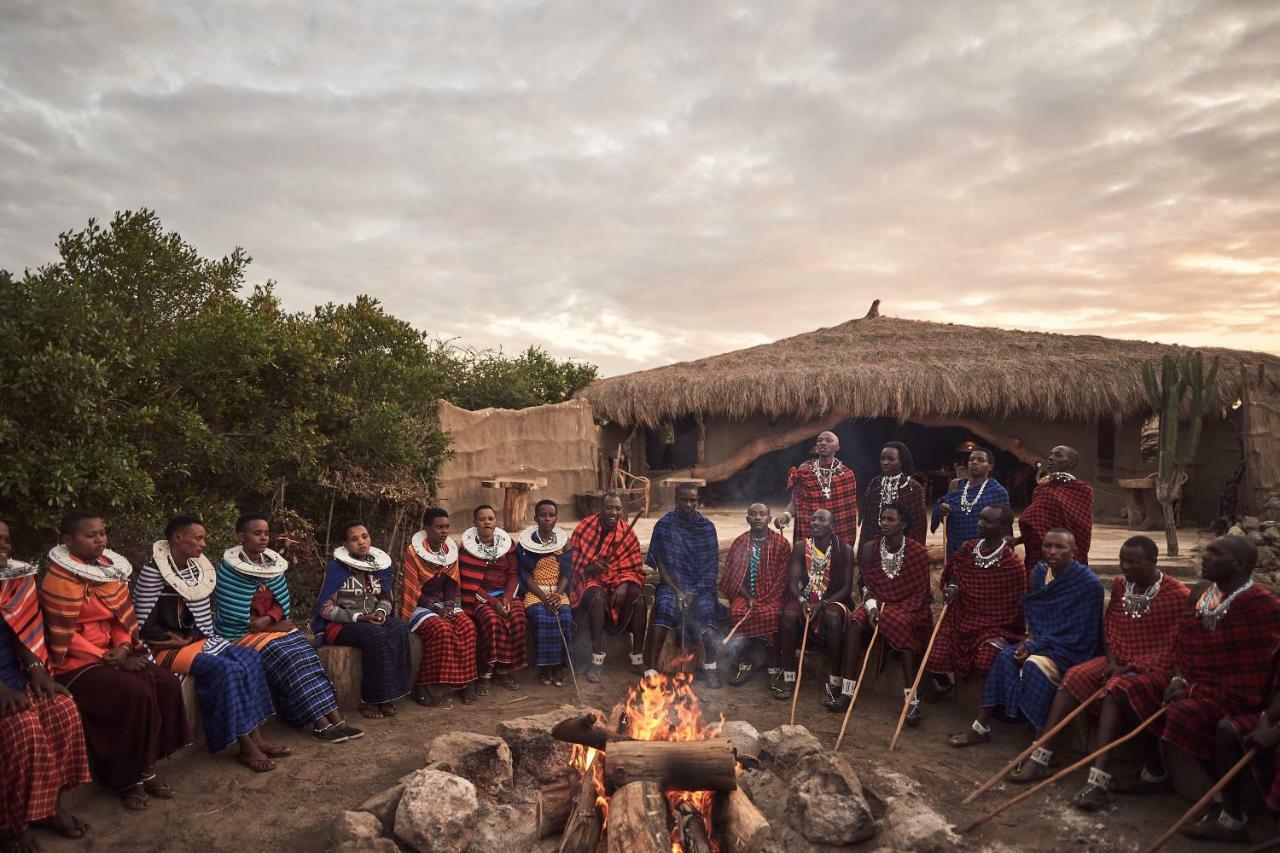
{"x":515,"y":500}
{"x":1140,"y":503}
{"x":674,"y":483}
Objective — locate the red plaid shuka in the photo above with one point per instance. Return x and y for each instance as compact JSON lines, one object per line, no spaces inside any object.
{"x":806,"y":498}
{"x":1266,"y":768}
{"x":1057,"y":503}
{"x":984,"y":617}
{"x":1228,"y":670}
{"x":905,"y":618}
{"x":44,"y":754}
{"x":499,"y":638}
{"x":1145,"y":643}
{"x":771,"y":584}
{"x":910,"y":498}
{"x":20,"y":610}
{"x":448,"y":651}
{"x":618,"y":550}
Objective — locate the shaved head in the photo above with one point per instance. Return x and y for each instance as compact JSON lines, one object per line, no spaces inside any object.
{"x":1063,"y":458}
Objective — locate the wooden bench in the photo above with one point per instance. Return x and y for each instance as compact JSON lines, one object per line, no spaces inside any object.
{"x":515,"y":499}
{"x":344,"y":668}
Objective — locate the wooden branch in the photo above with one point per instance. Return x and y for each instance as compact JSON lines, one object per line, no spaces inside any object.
{"x":638,"y":820}
{"x":586,"y":731}
{"x":691,"y":829}
{"x":754,"y":449}
{"x":696,"y":765}
{"x":585,"y":823}
{"x":1008,"y":443}
{"x":552,"y":807}
{"x":741,"y":826}
{"x":1204,"y":800}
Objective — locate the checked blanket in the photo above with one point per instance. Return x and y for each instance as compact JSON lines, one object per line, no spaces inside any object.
{"x":807,"y":498}
{"x":1058,"y":503}
{"x":765,"y":567}
{"x":617,"y":549}
{"x":985,"y":617}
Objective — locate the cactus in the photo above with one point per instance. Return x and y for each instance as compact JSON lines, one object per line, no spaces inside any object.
{"x":1178,"y":374}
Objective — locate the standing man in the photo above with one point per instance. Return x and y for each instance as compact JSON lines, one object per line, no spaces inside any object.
{"x":823,"y":483}
{"x":894,"y":485}
{"x":686,"y":552}
{"x":819,"y":586}
{"x":607,"y":579}
{"x":968,"y":497}
{"x":1064,"y":621}
{"x":1061,"y":500}
{"x":754,"y":581}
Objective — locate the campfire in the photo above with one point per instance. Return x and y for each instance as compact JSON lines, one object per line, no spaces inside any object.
{"x":653,"y":778}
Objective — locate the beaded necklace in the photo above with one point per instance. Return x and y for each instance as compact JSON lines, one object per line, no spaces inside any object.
{"x":1210,"y":615}
{"x":1136,"y":604}
{"x":818,"y":561}
{"x":967,"y":506}
{"x":824,"y":483}
{"x":890,"y":562}
{"x":889,"y":488}
{"x":986,"y":561}
{"x":1062,"y":477}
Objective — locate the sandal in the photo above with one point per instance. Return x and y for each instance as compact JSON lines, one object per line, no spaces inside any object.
{"x":257,"y":765}
{"x":424,"y":697}
{"x":557,"y":677}
{"x":1090,"y":798}
{"x":1029,"y":771}
{"x":273,"y":751}
{"x":330,"y":734}
{"x":158,"y":789}
{"x":349,"y":730}
{"x":968,"y":738}
{"x":508,"y":680}
{"x":388,"y":709}
{"x":134,"y":799}
{"x":1210,"y":828}
{"x":481,"y":685}
{"x":593,"y":674}
{"x":370,"y":712}
{"x":545,"y":678}
{"x":469,"y":696}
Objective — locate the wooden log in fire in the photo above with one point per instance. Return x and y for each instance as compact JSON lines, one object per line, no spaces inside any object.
{"x":638,"y":819}
{"x":587,"y":731}
{"x":551,"y":809}
{"x":691,"y":829}
{"x":695,"y":765}
{"x":583,"y":827}
{"x":740,"y":825}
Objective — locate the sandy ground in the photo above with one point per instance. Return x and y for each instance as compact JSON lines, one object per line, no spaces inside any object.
{"x":223,"y":807}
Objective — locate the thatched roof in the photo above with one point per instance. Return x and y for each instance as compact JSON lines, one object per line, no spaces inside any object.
{"x":889,"y":367}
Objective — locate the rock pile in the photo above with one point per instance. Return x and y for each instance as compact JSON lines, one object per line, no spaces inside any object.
{"x":1266,"y":535}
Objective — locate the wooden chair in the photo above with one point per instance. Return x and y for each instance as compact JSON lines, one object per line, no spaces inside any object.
{"x":633,"y":488}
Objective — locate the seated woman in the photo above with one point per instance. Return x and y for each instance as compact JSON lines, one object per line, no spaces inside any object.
{"x":253,"y":605}
{"x":429,"y":603}
{"x":545,"y":565}
{"x":41,"y":738}
{"x":132,"y":709}
{"x":354,"y":609}
{"x":172,"y":598}
{"x":488,"y":580}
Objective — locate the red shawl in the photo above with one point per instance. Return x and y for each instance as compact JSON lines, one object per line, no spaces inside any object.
{"x":1231,"y":664}
{"x":618,"y":550}
{"x":905,"y":618}
{"x":1058,"y":503}
{"x":989,"y":604}
{"x":1146,"y":643}
{"x":20,"y":609}
{"x":61,"y":596}
{"x":910,"y":497}
{"x":771,"y":582}
{"x":806,"y":497}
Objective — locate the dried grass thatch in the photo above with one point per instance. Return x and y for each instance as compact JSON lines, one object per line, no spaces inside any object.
{"x":889,"y":367}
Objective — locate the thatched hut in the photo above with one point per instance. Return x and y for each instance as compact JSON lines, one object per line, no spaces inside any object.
{"x":740,"y":419}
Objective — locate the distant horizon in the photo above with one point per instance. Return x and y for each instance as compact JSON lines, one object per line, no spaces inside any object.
{"x":640,"y":186}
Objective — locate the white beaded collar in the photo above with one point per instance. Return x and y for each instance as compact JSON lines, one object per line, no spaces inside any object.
{"x":14,"y":569}
{"x":273,"y":564}
{"x":193,"y":581}
{"x":377,"y":561}
{"x":472,"y":545}
{"x":419,"y":545}
{"x":118,"y":569}
{"x":558,"y":540}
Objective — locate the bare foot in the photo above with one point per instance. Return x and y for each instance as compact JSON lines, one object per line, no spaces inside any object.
{"x":370,"y":712}
{"x":65,"y":823}
{"x":388,"y":709}
{"x":255,"y":759}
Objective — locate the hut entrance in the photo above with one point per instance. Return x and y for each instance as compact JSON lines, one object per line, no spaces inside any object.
{"x":939,"y":453}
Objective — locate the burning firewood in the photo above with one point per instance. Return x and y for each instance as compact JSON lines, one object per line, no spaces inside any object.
{"x":690,"y":828}
{"x":638,"y":820}
{"x":740,"y":825}
{"x":587,"y":731}
{"x":585,"y":822}
{"x":693,"y":765}
{"x":551,"y":810}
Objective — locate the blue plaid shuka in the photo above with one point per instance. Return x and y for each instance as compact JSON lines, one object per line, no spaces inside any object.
{"x":298,"y":681}
{"x":689,"y":550}
{"x":963,"y":526}
{"x":1065,"y":618}
{"x":233,"y":693}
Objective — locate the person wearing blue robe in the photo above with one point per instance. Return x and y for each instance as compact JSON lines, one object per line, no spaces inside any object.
{"x":1064,"y":622}
{"x":967,"y":499}
{"x":685,"y":550}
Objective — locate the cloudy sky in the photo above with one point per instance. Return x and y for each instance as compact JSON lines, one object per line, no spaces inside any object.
{"x":637,"y":183}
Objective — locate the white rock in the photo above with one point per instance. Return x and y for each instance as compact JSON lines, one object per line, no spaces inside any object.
{"x":743,"y":735}
{"x":356,"y":826}
{"x":482,"y":759}
{"x":437,"y":812}
{"x":382,"y":805}
{"x":785,"y":746}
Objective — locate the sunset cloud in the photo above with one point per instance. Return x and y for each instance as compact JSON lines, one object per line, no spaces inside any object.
{"x":636,"y":183}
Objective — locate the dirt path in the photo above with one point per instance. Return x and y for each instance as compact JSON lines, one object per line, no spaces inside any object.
{"x":223,"y":807}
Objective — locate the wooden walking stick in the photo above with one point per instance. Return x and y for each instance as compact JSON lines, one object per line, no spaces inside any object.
{"x":1035,"y":744}
{"x":735,"y":628}
{"x":568,"y":655}
{"x":1204,"y":800}
{"x":848,"y":712}
{"x":804,"y":642}
{"x":1040,"y":786}
{"x":906,"y":705}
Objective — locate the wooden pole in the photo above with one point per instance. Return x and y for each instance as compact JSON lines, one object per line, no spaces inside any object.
{"x":1035,"y":744}
{"x":1204,"y":800}
{"x":848,"y":712}
{"x":735,"y":628}
{"x":1035,"y":789}
{"x":804,"y":643}
{"x":568,"y":655}
{"x":915,"y":685}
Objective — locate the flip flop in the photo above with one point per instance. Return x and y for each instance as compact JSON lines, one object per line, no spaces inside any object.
{"x":260,"y":765}
{"x":968,"y":738}
{"x":159,"y":789}
{"x":277,"y":751}
{"x":134,"y":801}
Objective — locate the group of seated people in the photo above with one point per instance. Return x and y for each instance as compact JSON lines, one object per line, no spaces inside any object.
{"x":91,"y":654}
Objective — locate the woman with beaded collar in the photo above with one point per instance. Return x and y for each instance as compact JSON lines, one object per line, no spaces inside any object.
{"x":253,"y":604}
{"x":355,"y":609}
{"x":429,"y":604}
{"x":546,"y":566}
{"x":173,"y":599}
{"x":41,"y":736}
{"x":967,"y":499}
{"x":487,"y":563}
{"x":894,"y":484}
{"x":132,"y":709}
